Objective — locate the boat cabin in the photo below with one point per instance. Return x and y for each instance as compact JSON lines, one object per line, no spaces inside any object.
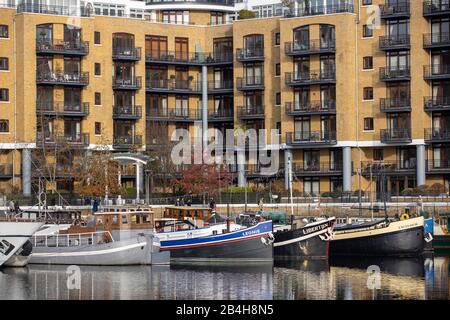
{"x":188,"y":213}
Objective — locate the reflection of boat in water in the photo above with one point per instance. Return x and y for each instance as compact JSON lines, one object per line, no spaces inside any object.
{"x":311,"y":265}
{"x":441,"y":235}
{"x":116,"y":236}
{"x":379,"y":238}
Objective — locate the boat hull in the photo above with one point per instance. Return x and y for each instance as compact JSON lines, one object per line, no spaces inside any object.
{"x":441,"y":244}
{"x":244,"y":246}
{"x":401,"y":238}
{"x":310,"y":242}
{"x":123,"y":252}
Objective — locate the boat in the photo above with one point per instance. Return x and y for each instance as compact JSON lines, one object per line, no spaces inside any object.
{"x":112,"y":236}
{"x":194,"y":241}
{"x":385,"y":237}
{"x":303,"y":239}
{"x":441,"y":235}
{"x":15,"y":245}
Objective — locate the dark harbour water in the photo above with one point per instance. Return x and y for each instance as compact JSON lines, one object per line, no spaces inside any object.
{"x":418,"y":278}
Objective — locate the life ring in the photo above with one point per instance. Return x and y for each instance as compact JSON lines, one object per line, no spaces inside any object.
{"x":404,"y":216}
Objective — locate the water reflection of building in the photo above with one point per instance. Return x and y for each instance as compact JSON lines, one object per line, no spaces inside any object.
{"x":438,"y":286}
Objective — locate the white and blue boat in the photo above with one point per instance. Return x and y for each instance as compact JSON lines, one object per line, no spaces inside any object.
{"x":220,"y":243}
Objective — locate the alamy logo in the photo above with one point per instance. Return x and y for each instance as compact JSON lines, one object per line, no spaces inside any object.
{"x":73,"y":278}
{"x":374,"y":278}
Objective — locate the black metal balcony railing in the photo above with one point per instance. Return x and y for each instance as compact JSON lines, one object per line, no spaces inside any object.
{"x":51,"y":108}
{"x":317,"y":168}
{"x":395,"y":10}
{"x":438,"y":166}
{"x":394,"y":42}
{"x":127,"y":112}
{"x":310,"y":78}
{"x":62,"y":78}
{"x":440,"y":103}
{"x":174,"y":114}
{"x":311,"y":137}
{"x":375,"y":168}
{"x":436,"y":40}
{"x":188,"y":58}
{"x":127,"y":141}
{"x":228,"y":3}
{"x":435,"y":8}
{"x":249,"y":55}
{"x":395,"y":74}
{"x":248,"y":113}
{"x":437,"y":135}
{"x":75,"y":140}
{"x":250,"y":83}
{"x":132,"y":54}
{"x":174,"y":85}
{"x":220,"y":86}
{"x":309,"y":48}
{"x":320,"y":9}
{"x":436,"y":71}
{"x":225,"y":114}
{"x":80,"y":11}
{"x":131,"y":83}
{"x":61,"y":47}
{"x":395,"y":105}
{"x":395,"y":135}
{"x":310,"y":108}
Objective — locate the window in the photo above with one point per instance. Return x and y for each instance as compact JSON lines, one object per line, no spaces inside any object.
{"x":278,"y":99}
{"x":366,"y":2}
{"x":98,"y":128}
{"x":277,"y":70}
{"x":4,"y":64}
{"x":367,"y":63}
{"x":378,"y":155}
{"x":97,"y":39}
{"x":367,"y":31}
{"x":4,"y":125}
{"x":4,"y":31}
{"x":98,"y":69}
{"x":368,"y":93}
{"x":4,"y":94}
{"x":277,"y":38}
{"x":217,"y":18}
{"x":98,"y":98}
{"x":368,"y":124}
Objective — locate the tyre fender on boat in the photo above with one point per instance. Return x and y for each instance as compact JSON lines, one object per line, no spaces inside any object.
{"x":269,"y":240}
{"x":428,"y":237}
{"x":404,"y":216}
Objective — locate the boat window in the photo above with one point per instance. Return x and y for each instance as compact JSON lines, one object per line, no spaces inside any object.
{"x":214,"y":232}
{"x":124,"y":219}
{"x":115,"y":220}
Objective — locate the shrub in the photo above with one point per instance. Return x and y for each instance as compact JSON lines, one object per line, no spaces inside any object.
{"x":246,"y":14}
{"x":407,"y":192}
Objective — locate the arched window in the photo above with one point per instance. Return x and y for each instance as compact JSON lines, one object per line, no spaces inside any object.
{"x":254,"y":45}
{"x":44,"y":34}
{"x":123,"y":41}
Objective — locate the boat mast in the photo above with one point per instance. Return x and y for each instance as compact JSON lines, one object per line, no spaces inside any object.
{"x":290,"y":186}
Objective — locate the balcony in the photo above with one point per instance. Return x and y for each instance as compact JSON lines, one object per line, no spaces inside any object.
{"x":314,"y":10}
{"x":437,"y":135}
{"x":81,"y":11}
{"x":436,"y":40}
{"x":250,"y":84}
{"x":127,"y":142}
{"x":175,"y":86}
{"x":191,"y":4}
{"x":80,"y":140}
{"x":395,"y":105}
{"x":438,"y":166}
{"x":222,"y":115}
{"x":395,"y":11}
{"x":133,"y":83}
{"x":316,"y":169}
{"x":188,"y":58}
{"x":399,"y":42}
{"x":127,"y":112}
{"x":311,"y":138}
{"x":60,"y":109}
{"x":251,"y":113}
{"x":62,"y":78}
{"x":310,"y":108}
{"x":61,"y":47}
{"x":436,"y":72}
{"x":389,"y":74}
{"x":220,"y":87}
{"x":395,"y":136}
{"x":441,"y":103}
{"x":310,"y":78}
{"x":126,"y":54}
{"x":296,"y":49}
{"x":431,"y":8}
{"x":6,"y":171}
{"x":390,"y":168}
{"x":250,"y":55}
{"x":174,"y":115}
{"x":259,"y":171}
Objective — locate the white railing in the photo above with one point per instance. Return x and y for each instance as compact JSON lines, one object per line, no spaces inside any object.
{"x":72,"y":239}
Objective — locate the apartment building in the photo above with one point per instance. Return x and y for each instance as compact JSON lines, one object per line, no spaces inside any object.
{"x":358,"y":89}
